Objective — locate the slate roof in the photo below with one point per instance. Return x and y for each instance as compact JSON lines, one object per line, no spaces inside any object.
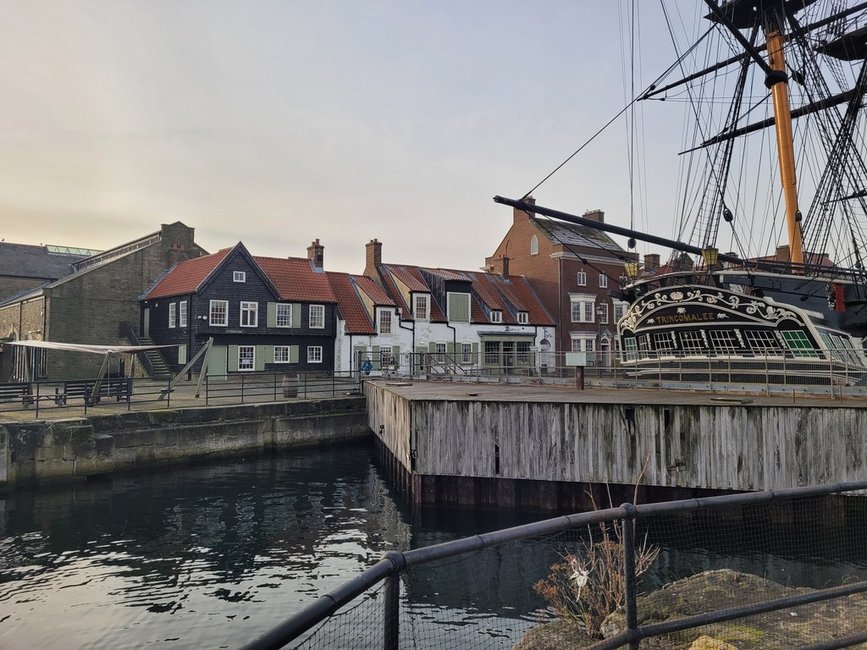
{"x":186,"y":277}
{"x":352,"y":309}
{"x":27,"y":261}
{"x":295,"y":278}
{"x":571,"y":234}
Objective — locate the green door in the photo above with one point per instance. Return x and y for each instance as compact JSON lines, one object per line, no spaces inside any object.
{"x":217,"y":362}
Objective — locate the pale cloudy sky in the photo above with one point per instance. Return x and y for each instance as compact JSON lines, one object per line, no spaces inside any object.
{"x":276,"y":122}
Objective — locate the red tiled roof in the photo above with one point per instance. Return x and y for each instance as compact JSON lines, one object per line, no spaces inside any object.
{"x":536,"y":312}
{"x":489,"y":296}
{"x":410,"y":276}
{"x":376,"y":293}
{"x":295,"y":279}
{"x":351,"y":308}
{"x":187,"y":276}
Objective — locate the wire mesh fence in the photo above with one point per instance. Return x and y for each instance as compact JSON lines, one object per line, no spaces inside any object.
{"x":776,"y":569}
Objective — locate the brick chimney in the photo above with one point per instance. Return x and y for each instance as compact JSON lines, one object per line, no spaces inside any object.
{"x":651,"y":261}
{"x":519,"y":215}
{"x":316,"y":254}
{"x":782,"y":254}
{"x":498,"y":265}
{"x":373,"y":258}
{"x":595,"y":215}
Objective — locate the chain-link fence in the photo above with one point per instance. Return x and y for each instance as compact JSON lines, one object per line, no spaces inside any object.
{"x":776,"y":569}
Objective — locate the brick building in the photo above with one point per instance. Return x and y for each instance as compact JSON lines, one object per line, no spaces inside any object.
{"x":575,"y":270}
{"x":89,"y":304}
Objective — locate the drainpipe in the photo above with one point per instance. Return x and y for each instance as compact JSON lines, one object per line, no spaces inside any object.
{"x":189,"y":333}
{"x":454,"y":338}
{"x":351,"y":356}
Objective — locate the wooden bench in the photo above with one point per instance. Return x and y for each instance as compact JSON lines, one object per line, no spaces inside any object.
{"x":16,"y":391}
{"x":118,"y":387}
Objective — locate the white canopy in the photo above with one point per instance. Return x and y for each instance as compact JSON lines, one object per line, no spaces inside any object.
{"x":86,"y":347}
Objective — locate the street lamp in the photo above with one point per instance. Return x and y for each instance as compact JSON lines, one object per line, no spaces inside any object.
{"x":710,"y":255}
{"x":631,"y":269}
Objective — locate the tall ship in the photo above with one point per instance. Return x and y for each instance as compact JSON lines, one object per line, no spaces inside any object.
{"x":779,"y":149}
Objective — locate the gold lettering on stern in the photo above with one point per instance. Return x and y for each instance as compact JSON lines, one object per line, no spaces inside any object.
{"x":686,"y":318}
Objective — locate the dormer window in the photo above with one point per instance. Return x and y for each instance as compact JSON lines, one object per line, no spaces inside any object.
{"x":385,"y":321}
{"x":421,"y":306}
{"x":496,"y":316}
{"x":239,"y":276}
{"x":523,"y":318}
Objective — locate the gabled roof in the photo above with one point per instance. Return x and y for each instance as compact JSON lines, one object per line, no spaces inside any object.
{"x":410,"y":276}
{"x":352,"y":310}
{"x":41,"y":262}
{"x":517,"y":290}
{"x":186,"y":277}
{"x":571,"y":234}
{"x":376,"y":293}
{"x":295,"y":278}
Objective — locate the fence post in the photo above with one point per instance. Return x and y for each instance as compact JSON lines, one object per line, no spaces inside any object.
{"x":391,"y":613}
{"x":242,"y":388}
{"x":333,"y":384}
{"x":207,"y":389}
{"x":305,"y":385}
{"x":37,"y":400}
{"x":275,"y":386}
{"x":628,"y":524}
{"x":169,"y":392}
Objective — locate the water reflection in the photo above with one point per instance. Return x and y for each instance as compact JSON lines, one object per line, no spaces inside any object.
{"x":212,"y":556}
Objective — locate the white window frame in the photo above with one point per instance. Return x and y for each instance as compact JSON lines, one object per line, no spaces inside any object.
{"x":417,"y":300}
{"x":440,"y":352}
{"x":285,"y":319}
{"x":523,"y":318}
{"x":252,"y":357}
{"x":386,"y":357}
{"x":496,"y":316}
{"x":182,"y":313}
{"x":316,"y":318}
{"x":603,"y":313}
{"x":620,"y":308}
{"x":225,"y":309}
{"x":173,"y":312}
{"x":534,"y":245}
{"x":249,"y":313}
{"x":283,"y":352}
{"x":314,"y":354}
{"x":581,"y":278}
{"x":603,"y":281}
{"x":467,"y":353}
{"x":239,"y":276}
{"x":384,"y":321}
{"x":582,"y":308}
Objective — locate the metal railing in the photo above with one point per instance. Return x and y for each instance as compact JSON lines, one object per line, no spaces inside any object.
{"x":838,"y":375}
{"x":54,"y":398}
{"x":392,"y":569}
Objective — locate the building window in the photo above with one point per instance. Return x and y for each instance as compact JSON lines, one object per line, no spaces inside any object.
{"x":492,"y":353}
{"x":246,"y":357}
{"x":582,"y":308}
{"x":219,"y":313}
{"x":173,"y":314}
{"x":440,"y":352}
{"x":317,"y":318}
{"x":281,"y":354}
{"x":249,"y":314}
{"x":602,"y":310}
{"x":466,"y":353}
{"x":385,"y":321}
{"x":619,"y":310}
{"x":386,"y":356}
{"x":496,"y":316}
{"x":523,"y":318}
{"x":523,"y":352}
{"x":284,"y":315}
{"x":182,"y":313}
{"x":603,"y":281}
{"x":630,"y":348}
{"x":577,"y":346}
{"x":581,"y":279}
{"x":239,"y":276}
{"x":314,"y":354}
{"x":534,"y":245}
{"x":421,"y":307}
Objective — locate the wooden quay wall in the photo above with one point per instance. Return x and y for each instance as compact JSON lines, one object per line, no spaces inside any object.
{"x":556,"y":447}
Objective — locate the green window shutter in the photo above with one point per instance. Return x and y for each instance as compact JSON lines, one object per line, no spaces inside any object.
{"x":358,"y":354}
{"x":293,"y":354}
{"x":296,"y":314}
{"x":475,"y":349}
{"x":431,"y":347}
{"x":459,"y":307}
{"x":261,"y":351}
{"x":272,"y":314}
{"x":395,"y":352}
{"x":376,"y":359}
{"x":182,"y":354}
{"x":233,"y":358}
{"x":450,"y":349}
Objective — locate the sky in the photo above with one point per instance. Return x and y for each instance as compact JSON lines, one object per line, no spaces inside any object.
{"x":278,"y":122}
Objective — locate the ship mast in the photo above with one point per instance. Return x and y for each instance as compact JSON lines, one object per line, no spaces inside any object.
{"x":741,"y":14}
{"x":785,"y":141}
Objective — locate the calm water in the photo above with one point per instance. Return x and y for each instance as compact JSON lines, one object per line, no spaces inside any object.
{"x":212,"y":556}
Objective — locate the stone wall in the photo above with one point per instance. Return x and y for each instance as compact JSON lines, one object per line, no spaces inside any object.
{"x":64,"y":450}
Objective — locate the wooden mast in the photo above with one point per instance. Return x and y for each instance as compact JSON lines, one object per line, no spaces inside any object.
{"x":785,"y":145}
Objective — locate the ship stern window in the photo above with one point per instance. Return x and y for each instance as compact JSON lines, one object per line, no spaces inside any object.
{"x":762,"y":342}
{"x":664,"y":343}
{"x":798,"y":343}
{"x":692,"y":343}
{"x":724,"y":341}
